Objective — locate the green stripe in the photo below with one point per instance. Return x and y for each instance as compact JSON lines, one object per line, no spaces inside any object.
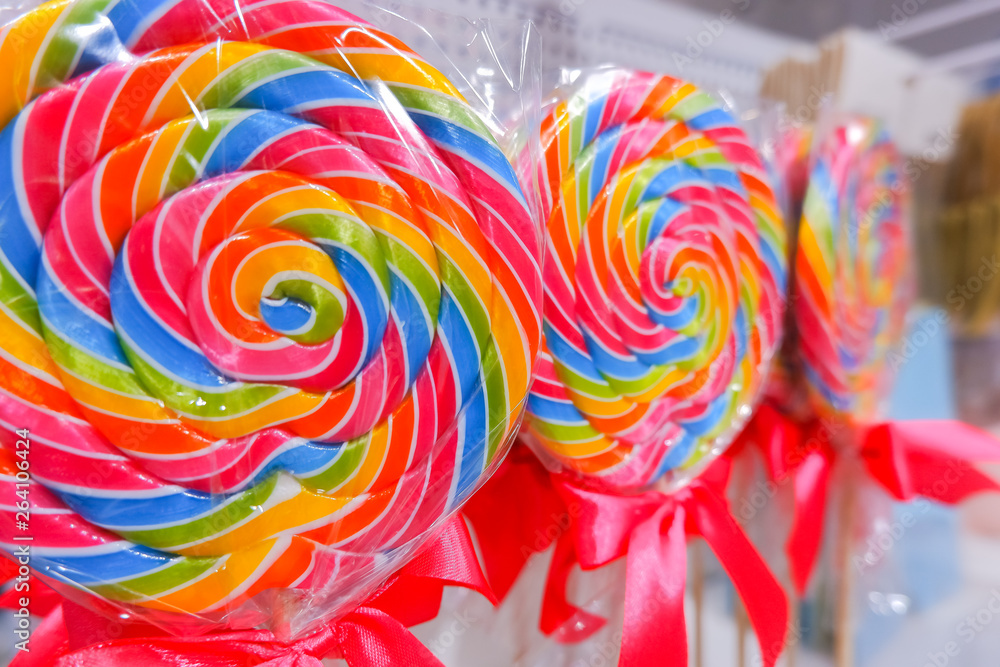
{"x":152,"y":585}
{"x":444,"y":105}
{"x":351,"y":455}
{"x":189,"y":401}
{"x":77,"y":19}
{"x":18,"y":300}
{"x":90,"y":368}
{"x":237,"y":508}
{"x":467,"y":301}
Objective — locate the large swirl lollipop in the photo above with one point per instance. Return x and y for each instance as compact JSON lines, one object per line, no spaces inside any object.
{"x":852,"y":282}
{"x":663,"y":279}
{"x":267,"y":315}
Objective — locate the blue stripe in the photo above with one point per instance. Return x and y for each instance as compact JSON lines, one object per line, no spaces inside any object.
{"x":611,"y":366}
{"x":301,"y":461}
{"x":710,"y":418}
{"x":742,"y":334}
{"x":568,"y":356}
{"x":710,"y":119}
{"x":775,"y":265}
{"x":592,"y":119}
{"x":126,"y":15}
{"x":138,"y":324}
{"x":667,"y":210}
{"x":682,"y":317}
{"x":462,"y":345}
{"x":554,"y":411}
{"x":728,"y":178}
{"x":669,"y":178}
{"x":128,"y":512}
{"x":838,"y":401}
{"x":362,"y":287}
{"x":16,"y":241}
{"x":327,"y":86}
{"x":473,"y":448}
{"x":604,"y":148}
{"x":463,"y":142}
{"x":99,"y":569}
{"x":676,"y":455}
{"x":244,"y":136}
{"x":680,"y":349}
{"x":285,"y":315}
{"x":71,"y":323}
{"x":101,"y":47}
{"x":416,"y":338}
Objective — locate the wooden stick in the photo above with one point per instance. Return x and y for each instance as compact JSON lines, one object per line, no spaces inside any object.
{"x":742,"y":630}
{"x":844,"y":625}
{"x":792,"y":649}
{"x":698,"y":593}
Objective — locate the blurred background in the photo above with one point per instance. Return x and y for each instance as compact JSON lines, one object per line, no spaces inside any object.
{"x":930,"y":69}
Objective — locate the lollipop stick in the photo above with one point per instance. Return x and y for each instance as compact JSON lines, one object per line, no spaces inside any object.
{"x":698,"y":593}
{"x":741,"y":633}
{"x":791,"y":651}
{"x":844,"y":623}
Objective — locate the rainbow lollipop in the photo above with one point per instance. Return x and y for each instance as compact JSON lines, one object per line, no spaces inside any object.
{"x":268,"y":315}
{"x":852,"y":282}
{"x":663,"y":280}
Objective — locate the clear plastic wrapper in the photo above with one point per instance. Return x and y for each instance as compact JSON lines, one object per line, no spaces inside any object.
{"x":852,"y":282}
{"x":270,"y":299}
{"x":664,"y":279}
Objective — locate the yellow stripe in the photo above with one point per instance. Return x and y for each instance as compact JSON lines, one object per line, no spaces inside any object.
{"x":128,"y":407}
{"x":148,"y":191}
{"x":18,"y":54}
{"x":290,"y":515}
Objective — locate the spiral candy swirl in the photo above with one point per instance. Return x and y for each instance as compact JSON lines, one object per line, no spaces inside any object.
{"x":269,"y":296}
{"x":663,"y":279}
{"x":852,"y":281}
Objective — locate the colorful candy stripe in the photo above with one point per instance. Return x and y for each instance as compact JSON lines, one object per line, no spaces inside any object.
{"x":663,"y":281}
{"x":262,"y":325}
{"x":852,"y":276}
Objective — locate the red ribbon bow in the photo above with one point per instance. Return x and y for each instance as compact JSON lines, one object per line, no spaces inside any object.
{"x":592,"y":529}
{"x":374,"y":634}
{"x":929,"y":458}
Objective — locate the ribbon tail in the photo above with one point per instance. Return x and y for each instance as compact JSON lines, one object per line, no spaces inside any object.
{"x":810,"y":483}
{"x":655,"y":632}
{"x":777,"y":438}
{"x":761,"y":593}
{"x":933,"y":458}
{"x":414,"y":595}
{"x":48,"y":642}
{"x":560,"y":619}
{"x":369,"y":637}
{"x":511,"y":515}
